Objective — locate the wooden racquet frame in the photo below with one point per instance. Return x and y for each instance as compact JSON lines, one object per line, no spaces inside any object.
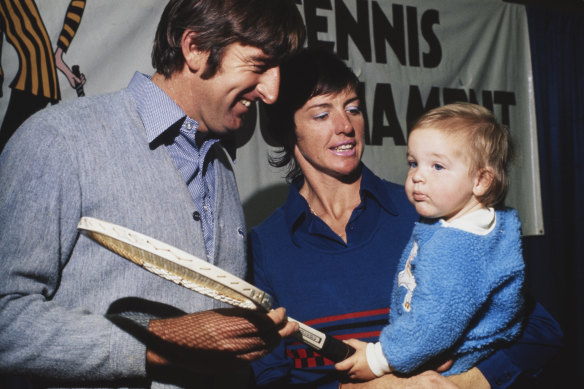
{"x":200,"y":276}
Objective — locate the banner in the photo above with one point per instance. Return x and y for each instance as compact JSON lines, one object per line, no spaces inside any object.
{"x":410,"y":56}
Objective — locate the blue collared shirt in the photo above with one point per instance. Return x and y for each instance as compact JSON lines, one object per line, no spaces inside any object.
{"x":166,"y":123}
{"x":280,"y":267}
{"x":311,"y":229}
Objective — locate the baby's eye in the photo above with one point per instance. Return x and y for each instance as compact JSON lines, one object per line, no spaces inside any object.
{"x":437,"y":166}
{"x":413,"y":164}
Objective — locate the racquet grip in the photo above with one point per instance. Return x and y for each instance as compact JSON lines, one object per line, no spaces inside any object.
{"x":326,"y":345}
{"x":336,"y":350}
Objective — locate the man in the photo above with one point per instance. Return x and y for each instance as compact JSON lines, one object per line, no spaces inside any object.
{"x":148,"y":157}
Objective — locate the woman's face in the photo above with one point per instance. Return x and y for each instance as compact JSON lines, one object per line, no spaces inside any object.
{"x":329,"y":133}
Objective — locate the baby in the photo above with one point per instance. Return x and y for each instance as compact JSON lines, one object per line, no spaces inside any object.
{"x":458,"y":294}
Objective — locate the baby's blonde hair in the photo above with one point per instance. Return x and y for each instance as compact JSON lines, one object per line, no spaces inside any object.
{"x":490,"y":142}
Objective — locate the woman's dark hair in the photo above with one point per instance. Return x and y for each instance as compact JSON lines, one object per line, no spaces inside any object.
{"x":309,"y":73}
{"x":275,"y":26}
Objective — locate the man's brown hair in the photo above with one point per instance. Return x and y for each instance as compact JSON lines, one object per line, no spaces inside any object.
{"x":275,"y":26}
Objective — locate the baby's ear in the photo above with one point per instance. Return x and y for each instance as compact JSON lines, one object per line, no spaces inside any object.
{"x":482,"y":181}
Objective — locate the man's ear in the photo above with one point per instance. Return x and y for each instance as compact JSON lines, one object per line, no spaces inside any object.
{"x":194,"y":58}
{"x":482,"y":181}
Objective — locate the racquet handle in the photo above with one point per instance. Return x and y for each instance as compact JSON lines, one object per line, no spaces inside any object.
{"x":326,"y":345}
{"x":78,"y":85}
{"x":336,"y":350}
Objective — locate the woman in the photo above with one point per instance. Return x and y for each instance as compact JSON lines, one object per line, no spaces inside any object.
{"x":327,"y":254}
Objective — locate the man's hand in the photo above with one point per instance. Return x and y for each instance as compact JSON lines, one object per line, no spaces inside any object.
{"x":216,"y":340}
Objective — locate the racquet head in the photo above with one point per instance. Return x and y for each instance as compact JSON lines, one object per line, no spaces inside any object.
{"x":176,"y":265}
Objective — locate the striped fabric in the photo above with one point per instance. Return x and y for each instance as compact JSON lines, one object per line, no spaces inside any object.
{"x":24,"y":29}
{"x":71,"y":23}
{"x":365,"y":326}
{"x":196,"y":167}
{"x":166,"y":122}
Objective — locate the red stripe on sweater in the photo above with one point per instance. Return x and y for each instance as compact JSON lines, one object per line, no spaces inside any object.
{"x":359,"y":335}
{"x":352,"y":315}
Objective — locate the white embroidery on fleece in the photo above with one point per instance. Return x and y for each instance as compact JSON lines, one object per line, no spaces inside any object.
{"x":407,"y":280}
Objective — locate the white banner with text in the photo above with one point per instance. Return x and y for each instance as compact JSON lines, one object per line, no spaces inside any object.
{"x":409,"y":55}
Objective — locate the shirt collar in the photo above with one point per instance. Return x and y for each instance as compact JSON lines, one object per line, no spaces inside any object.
{"x":479,"y":222}
{"x":373,"y":186}
{"x":156,"y":109}
{"x":297,"y":209}
{"x":159,"y":112}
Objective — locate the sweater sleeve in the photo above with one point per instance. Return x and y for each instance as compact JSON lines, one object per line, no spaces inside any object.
{"x":71,"y":24}
{"x":40,"y":203}
{"x":447,"y":296}
{"x":275,"y":366}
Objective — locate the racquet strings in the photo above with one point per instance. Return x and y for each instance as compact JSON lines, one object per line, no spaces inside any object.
{"x":172,"y":264}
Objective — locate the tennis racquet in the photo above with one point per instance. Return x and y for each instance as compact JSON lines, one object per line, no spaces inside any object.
{"x":200,"y":276}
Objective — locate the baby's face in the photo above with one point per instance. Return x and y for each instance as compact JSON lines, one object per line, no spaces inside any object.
{"x":440,"y":182}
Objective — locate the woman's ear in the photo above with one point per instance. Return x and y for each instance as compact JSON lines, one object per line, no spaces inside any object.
{"x":195,"y":59}
{"x":482,"y":181}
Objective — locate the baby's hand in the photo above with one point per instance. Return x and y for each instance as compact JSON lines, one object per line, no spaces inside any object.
{"x":356,"y":365}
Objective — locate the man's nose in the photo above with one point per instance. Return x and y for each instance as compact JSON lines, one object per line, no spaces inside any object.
{"x":269,"y":85}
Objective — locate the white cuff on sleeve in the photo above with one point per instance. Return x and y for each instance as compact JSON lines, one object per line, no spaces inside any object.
{"x":376,"y":360}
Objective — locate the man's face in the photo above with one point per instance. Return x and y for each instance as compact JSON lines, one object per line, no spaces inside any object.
{"x":243,"y":77}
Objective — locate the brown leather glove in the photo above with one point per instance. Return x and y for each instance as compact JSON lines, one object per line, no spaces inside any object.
{"x":211,"y":341}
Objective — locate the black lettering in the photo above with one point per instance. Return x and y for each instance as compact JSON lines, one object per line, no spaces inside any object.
{"x":416,"y":106}
{"x":413,"y":42}
{"x":384,"y":31}
{"x":451,"y":95}
{"x":315,"y":24}
{"x":434,"y":56}
{"x":358,"y":29}
{"x":384,"y":107}
{"x":505,"y":99}
{"x":487,"y":99}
